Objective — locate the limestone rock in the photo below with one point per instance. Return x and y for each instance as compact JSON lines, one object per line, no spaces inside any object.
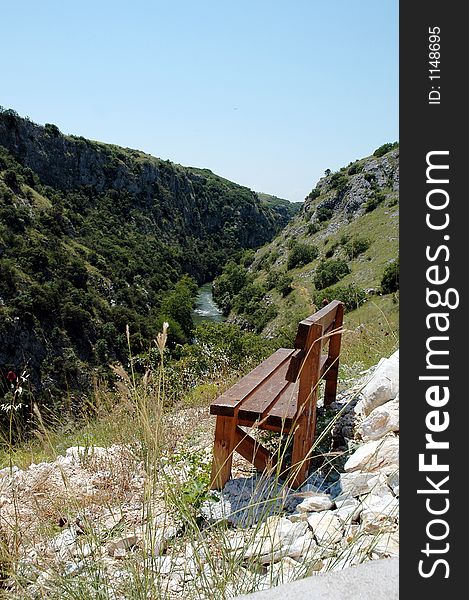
{"x":374,"y":456}
{"x":315,"y":503}
{"x":349,"y":511}
{"x":379,"y":514}
{"x":380,"y":421}
{"x":65,"y":544}
{"x":387,"y":544}
{"x":118,"y":548}
{"x":354,"y":484}
{"x":383,"y":385}
{"x":327,"y":528}
{"x":393,"y":482}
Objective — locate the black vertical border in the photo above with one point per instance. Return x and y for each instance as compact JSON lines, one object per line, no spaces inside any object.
{"x":423,"y":128}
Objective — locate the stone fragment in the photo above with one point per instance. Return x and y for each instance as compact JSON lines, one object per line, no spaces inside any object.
{"x":315,"y":503}
{"x":381,"y":420}
{"x":383,"y":385}
{"x":379,"y":513}
{"x":327,"y":528}
{"x":387,"y":545}
{"x":373,"y":456}
{"x":353,"y":484}
{"x":119,"y":547}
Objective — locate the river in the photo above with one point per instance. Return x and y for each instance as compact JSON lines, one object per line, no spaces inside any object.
{"x":205,"y":308}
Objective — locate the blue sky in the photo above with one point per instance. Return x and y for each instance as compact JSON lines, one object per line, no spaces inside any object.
{"x":267,"y":93}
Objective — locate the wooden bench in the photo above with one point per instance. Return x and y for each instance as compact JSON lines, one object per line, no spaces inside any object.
{"x":280,"y":395}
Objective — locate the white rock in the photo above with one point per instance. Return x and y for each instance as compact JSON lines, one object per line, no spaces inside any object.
{"x":164,"y":565}
{"x":383,"y":385}
{"x":354,"y":484}
{"x":295,"y":517}
{"x":118,"y":548}
{"x":387,"y":544}
{"x":294,"y":548}
{"x":375,"y":455}
{"x":301,"y":546}
{"x":349,"y":512}
{"x":381,"y":420}
{"x":78,"y":454}
{"x":379,"y":514}
{"x":315,"y":503}
{"x":327,"y":528}
{"x":65,"y":544}
{"x":285,"y":570}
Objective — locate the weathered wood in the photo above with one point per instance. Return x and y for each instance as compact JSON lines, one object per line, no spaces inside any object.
{"x":295,"y":365}
{"x":252,"y":451}
{"x":306,"y":408}
{"x":333,"y":361}
{"x":324,"y":317}
{"x":223,"y":451}
{"x":280,"y":395}
{"x":265,"y":395}
{"x":283,"y":412}
{"x":226,"y":403}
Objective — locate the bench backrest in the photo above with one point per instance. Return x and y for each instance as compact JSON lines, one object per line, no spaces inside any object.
{"x":309,"y":362}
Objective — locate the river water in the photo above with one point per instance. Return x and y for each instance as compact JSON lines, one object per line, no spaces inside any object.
{"x":205,"y":308}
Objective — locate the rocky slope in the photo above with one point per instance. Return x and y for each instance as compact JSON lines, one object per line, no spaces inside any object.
{"x":91,"y":511}
{"x":338,"y":246}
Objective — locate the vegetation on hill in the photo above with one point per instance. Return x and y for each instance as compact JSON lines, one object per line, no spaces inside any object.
{"x":95,"y":238}
{"x":343,"y":244}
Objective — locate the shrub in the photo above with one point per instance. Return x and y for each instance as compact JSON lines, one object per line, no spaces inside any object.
{"x":324,"y":214}
{"x":313,"y":194}
{"x":284,"y":284}
{"x":338,"y":181}
{"x":350,"y":295}
{"x":390,"y":278}
{"x":11,"y":179}
{"x":330,"y":272}
{"x":385,"y":148}
{"x":52,"y":129}
{"x":301,"y":254}
{"x":373,"y":201}
{"x":357,"y":167}
{"x":355,"y":247}
{"x":312,"y":228}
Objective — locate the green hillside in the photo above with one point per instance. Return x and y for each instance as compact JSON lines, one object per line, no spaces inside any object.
{"x":338,"y":246}
{"x":94,"y":238}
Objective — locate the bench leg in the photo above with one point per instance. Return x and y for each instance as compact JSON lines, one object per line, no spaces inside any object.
{"x":223,"y":451}
{"x":302,"y":442}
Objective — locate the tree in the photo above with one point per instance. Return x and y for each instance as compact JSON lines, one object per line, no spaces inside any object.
{"x":390,"y":278}
{"x":330,"y":272}
{"x":301,"y":254}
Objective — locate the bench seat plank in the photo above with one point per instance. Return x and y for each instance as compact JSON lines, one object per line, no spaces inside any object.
{"x":232,"y":399}
{"x":258,"y":403}
{"x":283,"y":413}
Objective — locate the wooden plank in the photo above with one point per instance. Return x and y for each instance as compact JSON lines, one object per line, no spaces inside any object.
{"x":306,"y":413}
{"x":333,"y":361}
{"x":223,"y":451}
{"x":283,"y":413}
{"x":252,"y":451}
{"x":232,"y":398}
{"x":325,"y":317}
{"x":295,"y":365}
{"x":265,"y":395}
{"x":323,"y":364}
